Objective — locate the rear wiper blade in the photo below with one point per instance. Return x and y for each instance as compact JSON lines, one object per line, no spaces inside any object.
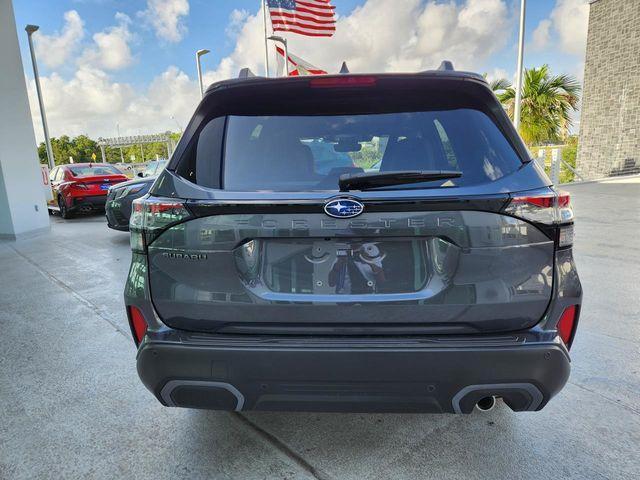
{"x":363,"y":181}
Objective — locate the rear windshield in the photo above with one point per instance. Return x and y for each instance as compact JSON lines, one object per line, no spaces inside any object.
{"x":153,"y":168}
{"x":94,"y":170}
{"x":302,"y":153}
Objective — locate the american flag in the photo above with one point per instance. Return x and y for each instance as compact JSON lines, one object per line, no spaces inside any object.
{"x":314,"y":18}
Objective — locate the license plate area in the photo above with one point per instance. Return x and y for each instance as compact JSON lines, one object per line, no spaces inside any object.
{"x":336,"y":266}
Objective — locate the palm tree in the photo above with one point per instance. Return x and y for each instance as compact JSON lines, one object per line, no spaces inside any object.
{"x":499,"y":85}
{"x":547,"y":103}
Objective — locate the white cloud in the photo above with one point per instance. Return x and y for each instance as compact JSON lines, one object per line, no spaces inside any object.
{"x":84,"y":104}
{"x":499,"y":74}
{"x":570,"y":20}
{"x":110,"y":50}
{"x":54,"y":50}
{"x":172,"y":93}
{"x":166,"y":18}
{"x":236,"y":21}
{"x":541,"y":35}
{"x":379,"y":36}
{"x":91,"y":102}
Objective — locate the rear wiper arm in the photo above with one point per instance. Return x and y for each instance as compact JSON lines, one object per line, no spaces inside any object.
{"x":363,"y":181}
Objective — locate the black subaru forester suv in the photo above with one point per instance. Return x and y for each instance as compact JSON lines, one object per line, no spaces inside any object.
{"x":431,"y":270}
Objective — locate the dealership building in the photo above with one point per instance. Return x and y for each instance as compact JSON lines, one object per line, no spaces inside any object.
{"x":610,"y":120}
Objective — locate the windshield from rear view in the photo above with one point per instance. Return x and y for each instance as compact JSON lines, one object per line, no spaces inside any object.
{"x":302,"y":153}
{"x":93,"y":170}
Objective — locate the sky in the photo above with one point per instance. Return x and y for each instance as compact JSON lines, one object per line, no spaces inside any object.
{"x":129,"y":65}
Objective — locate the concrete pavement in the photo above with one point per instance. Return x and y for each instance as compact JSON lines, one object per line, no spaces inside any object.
{"x":73,"y":407}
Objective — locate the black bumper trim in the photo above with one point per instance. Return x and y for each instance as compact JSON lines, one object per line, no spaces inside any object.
{"x":536,"y":396}
{"x":336,"y":378}
{"x":172,"y":385}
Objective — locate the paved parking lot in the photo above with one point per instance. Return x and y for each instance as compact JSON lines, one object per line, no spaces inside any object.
{"x":71,"y":405}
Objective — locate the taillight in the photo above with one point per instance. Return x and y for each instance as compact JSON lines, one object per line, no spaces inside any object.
{"x":548,"y":208}
{"x":567,"y":325}
{"x":150,"y":216}
{"x":137,"y":323}
{"x":344,"y":81}
{"x":79,"y":185}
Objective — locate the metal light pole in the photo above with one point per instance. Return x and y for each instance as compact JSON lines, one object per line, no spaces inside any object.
{"x":200,"y":53}
{"x":518,"y":99}
{"x":47,"y":141}
{"x":266,"y":48}
{"x":283,"y":41}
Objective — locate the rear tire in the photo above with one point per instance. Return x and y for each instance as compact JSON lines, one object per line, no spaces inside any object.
{"x":64,"y":211}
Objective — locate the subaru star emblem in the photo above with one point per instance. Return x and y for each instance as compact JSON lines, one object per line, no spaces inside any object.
{"x":343,"y":208}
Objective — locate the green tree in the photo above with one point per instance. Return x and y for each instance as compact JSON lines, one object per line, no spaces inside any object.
{"x":498,"y":85}
{"x":84,"y":148}
{"x":547,"y":103}
{"x":63,"y":149}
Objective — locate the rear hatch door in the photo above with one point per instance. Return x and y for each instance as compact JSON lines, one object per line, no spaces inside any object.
{"x":265,"y":248}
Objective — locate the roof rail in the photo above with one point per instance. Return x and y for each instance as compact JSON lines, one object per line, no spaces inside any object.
{"x":446,"y":65}
{"x":246,"y":73}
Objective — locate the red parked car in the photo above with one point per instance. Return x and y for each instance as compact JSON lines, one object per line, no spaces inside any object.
{"x":82,"y":187}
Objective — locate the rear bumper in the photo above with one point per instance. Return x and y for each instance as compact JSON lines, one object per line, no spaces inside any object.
{"x":347,"y":376}
{"x":118,"y":212}
{"x":95,"y":202}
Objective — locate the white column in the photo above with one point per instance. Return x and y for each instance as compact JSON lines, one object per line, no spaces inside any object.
{"x":23,"y":210}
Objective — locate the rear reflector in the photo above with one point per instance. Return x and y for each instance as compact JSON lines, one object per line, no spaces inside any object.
{"x":565,"y":236}
{"x":567,"y":324}
{"x":138,"y":324}
{"x":339,"y":82}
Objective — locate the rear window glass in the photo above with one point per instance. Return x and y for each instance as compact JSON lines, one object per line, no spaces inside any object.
{"x":302,"y":153}
{"x":154,"y":168}
{"x":86,"y":171}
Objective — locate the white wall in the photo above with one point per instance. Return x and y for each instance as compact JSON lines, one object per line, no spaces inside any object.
{"x":22,"y":205}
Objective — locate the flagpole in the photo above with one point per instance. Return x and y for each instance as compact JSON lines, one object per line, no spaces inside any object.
{"x":283,"y":41}
{"x":266,"y":43}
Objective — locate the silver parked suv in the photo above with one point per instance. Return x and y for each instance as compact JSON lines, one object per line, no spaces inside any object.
{"x":430,"y":271}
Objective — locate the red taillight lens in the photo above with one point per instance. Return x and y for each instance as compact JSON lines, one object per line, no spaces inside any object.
{"x":345,"y":81}
{"x":547,"y":208}
{"x":138,"y":324}
{"x":79,"y":185}
{"x":150,"y":216}
{"x":567,"y":325}
{"x":564,"y":199}
{"x":543,"y":201}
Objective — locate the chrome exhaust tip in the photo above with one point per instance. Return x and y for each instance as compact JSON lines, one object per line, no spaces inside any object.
{"x":485,"y":404}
